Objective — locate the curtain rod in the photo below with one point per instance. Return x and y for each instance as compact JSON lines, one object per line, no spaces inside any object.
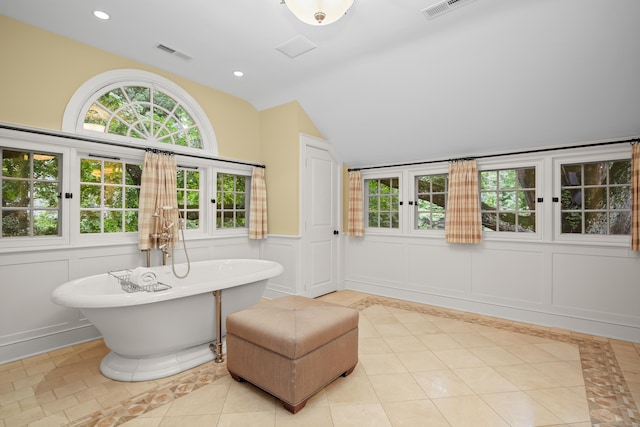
{"x":116,"y":144}
{"x":486,"y":156}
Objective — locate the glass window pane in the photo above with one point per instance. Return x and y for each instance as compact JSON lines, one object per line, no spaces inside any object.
{"x":193,"y":220}
{"x":240,"y":184}
{"x":130,"y":221}
{"x":15,"y":193}
{"x":527,"y":222}
{"x":595,"y":173}
{"x":134,"y":174}
{"x":90,"y":222}
{"x":45,"y":194}
{"x":45,"y":223}
{"x":489,"y":221}
{"x":193,"y":180}
{"x":620,"y":197}
{"x":439,"y":183}
{"x":132,"y":196}
{"x":489,"y":180}
{"x":423,"y":221}
{"x":373,"y":219}
{"x":90,"y":196}
{"x":385,"y":219}
{"x":489,"y":200}
{"x":181,"y":199}
{"x":595,"y":222}
{"x":239,"y":201}
{"x":424,"y":184}
{"x":180,"y":178}
{"x":571,"y":175}
{"x":595,"y":198}
{"x":572,"y":222}
{"x":15,"y":223}
{"x":526,"y":178}
{"x":112,"y":196}
{"x":15,"y":164}
{"x":228,"y":201}
{"x":507,"y":200}
{"x":507,"y":179}
{"x":113,"y":222}
{"x":571,"y":199}
{"x":424,"y":202}
{"x":228,"y":219}
{"x":438,"y":220}
{"x":45,"y":166}
{"x":527,"y":200}
{"x":374,"y":203}
{"x":507,"y":222}
{"x":620,"y":223}
{"x":90,"y":170}
{"x":193,"y":200}
{"x":240,"y":219}
{"x":620,"y":172}
{"x":373,"y":186}
{"x":395,"y":220}
{"x":385,"y":186}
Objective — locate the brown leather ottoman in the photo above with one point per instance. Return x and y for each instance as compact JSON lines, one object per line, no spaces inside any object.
{"x":292,"y":347}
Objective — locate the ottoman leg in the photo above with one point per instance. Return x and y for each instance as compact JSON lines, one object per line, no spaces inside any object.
{"x":236,"y":377}
{"x":347,"y":372}
{"x":294,"y":409}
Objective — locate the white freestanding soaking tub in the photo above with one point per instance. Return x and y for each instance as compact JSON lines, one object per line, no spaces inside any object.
{"x":156,"y":334}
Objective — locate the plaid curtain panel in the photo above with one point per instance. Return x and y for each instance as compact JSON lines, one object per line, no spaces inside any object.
{"x":258,"y":206}
{"x":635,"y":197}
{"x":158,"y":188}
{"x":355,"y":221}
{"x":463,"y":222}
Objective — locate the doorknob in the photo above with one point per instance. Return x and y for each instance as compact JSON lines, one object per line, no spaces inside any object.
{"x":336,"y":232}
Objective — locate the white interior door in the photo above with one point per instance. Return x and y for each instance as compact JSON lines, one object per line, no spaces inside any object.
{"x":320,"y":221}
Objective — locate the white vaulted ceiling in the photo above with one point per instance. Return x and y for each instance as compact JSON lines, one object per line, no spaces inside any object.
{"x":386,"y":83}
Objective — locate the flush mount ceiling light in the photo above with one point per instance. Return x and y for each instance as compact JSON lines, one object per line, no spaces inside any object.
{"x":318,"y":12}
{"x":100,"y":14}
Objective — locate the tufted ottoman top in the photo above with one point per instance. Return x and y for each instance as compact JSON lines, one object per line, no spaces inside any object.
{"x":292,"y":326}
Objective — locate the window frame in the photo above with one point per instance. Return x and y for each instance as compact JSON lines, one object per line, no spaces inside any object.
{"x":37,"y":242}
{"x":124,"y":156}
{"x":538,"y":164}
{"x":244,"y":170}
{"x":92,"y":89}
{"x":412,"y":191}
{"x":387,"y":174}
{"x":613,"y":153}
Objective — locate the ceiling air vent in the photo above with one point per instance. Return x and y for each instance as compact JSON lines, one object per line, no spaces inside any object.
{"x":443,"y":7}
{"x":296,"y":46}
{"x":171,"y":51}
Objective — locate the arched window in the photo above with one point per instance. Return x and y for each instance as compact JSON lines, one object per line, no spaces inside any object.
{"x":139,"y":106}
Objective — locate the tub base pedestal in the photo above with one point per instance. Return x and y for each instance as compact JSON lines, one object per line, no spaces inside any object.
{"x":122,"y":368}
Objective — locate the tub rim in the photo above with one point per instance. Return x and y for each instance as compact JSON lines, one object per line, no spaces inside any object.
{"x":69,"y":294}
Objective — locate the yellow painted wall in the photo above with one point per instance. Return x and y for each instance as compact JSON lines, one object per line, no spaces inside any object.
{"x":40,"y":71}
{"x":281,"y":127}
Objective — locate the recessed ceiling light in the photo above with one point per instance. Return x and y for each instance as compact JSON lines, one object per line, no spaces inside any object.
{"x":238,"y":73}
{"x":100,"y":14}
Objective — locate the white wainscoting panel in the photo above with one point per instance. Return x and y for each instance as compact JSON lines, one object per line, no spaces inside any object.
{"x":600,"y":284}
{"x":513,"y":275}
{"x":436,"y":269}
{"x":588,"y":289}
{"x":285,"y":250}
{"x":372,"y":260}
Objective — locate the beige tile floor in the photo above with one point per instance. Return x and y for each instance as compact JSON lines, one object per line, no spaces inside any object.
{"x":418,"y":366}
